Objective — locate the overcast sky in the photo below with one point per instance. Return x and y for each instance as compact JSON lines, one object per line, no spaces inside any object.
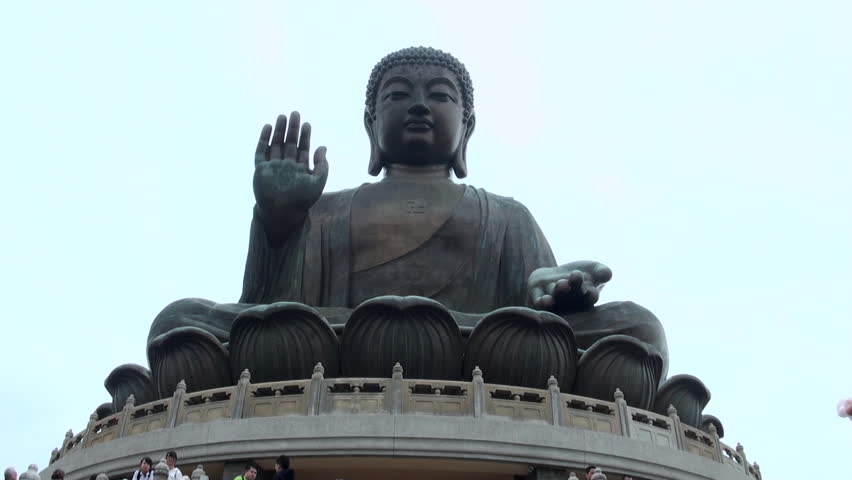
{"x":700,"y":149}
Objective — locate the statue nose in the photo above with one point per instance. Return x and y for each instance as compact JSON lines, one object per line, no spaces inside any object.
{"x":419,"y":106}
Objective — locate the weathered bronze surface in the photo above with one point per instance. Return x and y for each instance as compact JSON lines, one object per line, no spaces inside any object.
{"x":414,"y":233}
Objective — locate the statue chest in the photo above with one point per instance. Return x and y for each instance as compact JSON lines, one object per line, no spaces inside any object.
{"x":393,"y":219}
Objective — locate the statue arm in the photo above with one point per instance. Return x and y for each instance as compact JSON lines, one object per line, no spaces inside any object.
{"x":529,"y":268}
{"x":285,"y":190}
{"x":524,"y":250}
{"x":274,"y":270}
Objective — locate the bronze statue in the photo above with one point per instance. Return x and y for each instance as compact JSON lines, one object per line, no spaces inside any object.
{"x":444,"y":276}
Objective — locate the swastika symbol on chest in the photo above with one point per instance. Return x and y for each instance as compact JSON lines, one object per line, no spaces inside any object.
{"x":416,"y":207}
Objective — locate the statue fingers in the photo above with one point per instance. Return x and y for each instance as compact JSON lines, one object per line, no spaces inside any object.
{"x":291,"y":141}
{"x":536,"y":292}
{"x":563,"y":290}
{"x":544,"y":302}
{"x":261,"y":154}
{"x":569,"y":293}
{"x":576,"y":279}
{"x":601,"y":274}
{"x":304,"y":148}
{"x":320,"y":170}
{"x":278,"y":138}
{"x":590,"y":294}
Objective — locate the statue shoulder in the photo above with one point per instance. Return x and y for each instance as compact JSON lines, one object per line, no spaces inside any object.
{"x":332,"y":200}
{"x":333,"y":205}
{"x":502,"y":203}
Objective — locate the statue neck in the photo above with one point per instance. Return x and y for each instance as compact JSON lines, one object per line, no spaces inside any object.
{"x":396,"y":171}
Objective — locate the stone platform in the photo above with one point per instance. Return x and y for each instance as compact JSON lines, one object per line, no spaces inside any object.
{"x":356,"y":428}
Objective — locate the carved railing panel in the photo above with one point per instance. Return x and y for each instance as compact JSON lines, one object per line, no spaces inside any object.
{"x":105,"y":429}
{"x":355,"y":395}
{"x":518,"y":403}
{"x":590,"y":414}
{"x":731,"y":458}
{"x":699,"y":442}
{"x":650,"y":427}
{"x":74,"y":443}
{"x":437,"y":397}
{"x":207,"y":405}
{"x":277,"y":399}
{"x":147,"y":417}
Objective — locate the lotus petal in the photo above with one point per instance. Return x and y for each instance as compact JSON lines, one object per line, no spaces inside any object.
{"x":523,"y":347}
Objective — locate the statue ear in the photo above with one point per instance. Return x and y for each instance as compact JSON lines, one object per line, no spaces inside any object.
{"x":460,"y":158}
{"x":375,"y":166}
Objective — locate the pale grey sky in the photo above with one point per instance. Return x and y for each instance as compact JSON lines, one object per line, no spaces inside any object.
{"x":700,"y":149}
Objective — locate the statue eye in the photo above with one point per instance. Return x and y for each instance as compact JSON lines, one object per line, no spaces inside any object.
{"x":397,"y":95}
{"x":441,"y":97}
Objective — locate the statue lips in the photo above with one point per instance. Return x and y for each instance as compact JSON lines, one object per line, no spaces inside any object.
{"x":418,"y":125}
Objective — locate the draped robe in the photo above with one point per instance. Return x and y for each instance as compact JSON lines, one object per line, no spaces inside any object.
{"x":477,"y":261}
{"x":313,"y":266}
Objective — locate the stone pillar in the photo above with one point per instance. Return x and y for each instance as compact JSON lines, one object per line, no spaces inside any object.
{"x":199,"y":472}
{"x":176,"y":404}
{"x":741,"y":451}
{"x":623,"y":413}
{"x":598,"y":475}
{"x":102,"y":476}
{"x":161,"y":470}
{"x":555,"y":401}
{"x":394,"y":397}
{"x":69,"y":435}
{"x":93,"y":419}
{"x":478,"y":393}
{"x":717,"y":445}
{"x":677,"y":428}
{"x":315,"y":395}
{"x":241,"y":393}
{"x":126,"y":413}
{"x":31,"y":473}
{"x":545,"y":473}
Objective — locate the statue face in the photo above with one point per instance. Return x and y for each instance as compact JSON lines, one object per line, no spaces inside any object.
{"x":419,"y":115}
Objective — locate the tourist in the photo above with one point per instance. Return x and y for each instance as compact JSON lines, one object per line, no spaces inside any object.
{"x":249,"y":473}
{"x":58,"y":474}
{"x":282,"y":469}
{"x":145,"y":471}
{"x":844,"y":408}
{"x":171,"y":461}
{"x":590,"y":470}
{"x":10,"y":474}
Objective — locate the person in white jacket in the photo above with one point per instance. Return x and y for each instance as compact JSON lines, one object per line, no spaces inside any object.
{"x":171,"y":461}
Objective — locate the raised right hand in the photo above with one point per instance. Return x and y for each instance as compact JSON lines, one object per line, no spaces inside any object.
{"x":285,"y":187}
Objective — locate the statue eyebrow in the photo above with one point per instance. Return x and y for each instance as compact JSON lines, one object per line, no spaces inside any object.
{"x":444,"y":80}
{"x":396,"y":79}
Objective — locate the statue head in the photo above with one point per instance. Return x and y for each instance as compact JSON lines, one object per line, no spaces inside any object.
{"x":419,"y":110}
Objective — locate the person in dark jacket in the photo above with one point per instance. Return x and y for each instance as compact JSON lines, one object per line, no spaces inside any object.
{"x":282,"y":469}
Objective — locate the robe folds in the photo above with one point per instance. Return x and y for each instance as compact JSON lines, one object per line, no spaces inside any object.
{"x":313,"y":265}
{"x":477,"y":261}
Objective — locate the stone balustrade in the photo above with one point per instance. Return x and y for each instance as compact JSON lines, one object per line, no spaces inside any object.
{"x":400,"y":396}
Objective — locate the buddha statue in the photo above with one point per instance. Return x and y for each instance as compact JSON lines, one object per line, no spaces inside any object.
{"x":415,"y":268}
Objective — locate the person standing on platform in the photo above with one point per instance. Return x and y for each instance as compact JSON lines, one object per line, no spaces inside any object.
{"x":282,"y":469}
{"x":171,"y":461}
{"x":249,"y":473}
